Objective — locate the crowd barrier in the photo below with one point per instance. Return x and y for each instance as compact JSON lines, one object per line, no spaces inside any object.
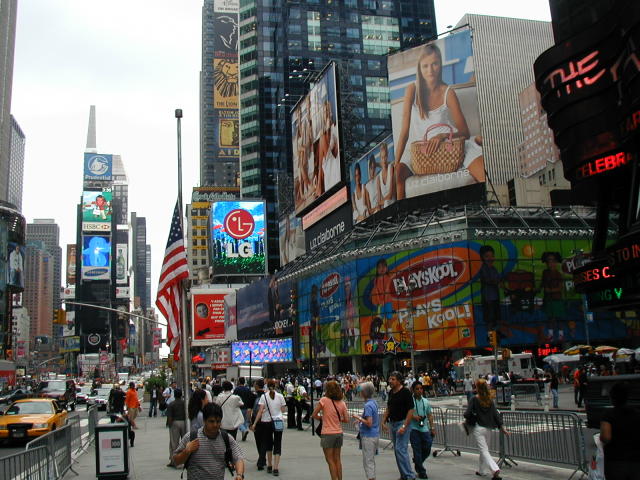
{"x":31,"y":464}
{"x":526,"y":393}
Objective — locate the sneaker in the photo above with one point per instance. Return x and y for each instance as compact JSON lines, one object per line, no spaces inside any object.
{"x":276,"y":472}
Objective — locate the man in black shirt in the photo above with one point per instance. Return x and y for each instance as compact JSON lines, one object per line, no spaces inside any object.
{"x":116,"y":402}
{"x":176,"y":424}
{"x":247,"y":399}
{"x":399,"y":413}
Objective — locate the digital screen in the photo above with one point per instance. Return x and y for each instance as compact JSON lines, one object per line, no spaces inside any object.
{"x":291,"y":239}
{"x":317,"y":163}
{"x":435,"y":120}
{"x":208,"y":316}
{"x":71,"y":264}
{"x":97,"y":210}
{"x":262,"y":351}
{"x":15,"y":268}
{"x":238,"y":238}
{"x":96,"y":257}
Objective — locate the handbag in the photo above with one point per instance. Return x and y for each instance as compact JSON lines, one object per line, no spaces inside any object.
{"x":446,"y":159}
{"x":278,"y":423}
{"x":318,"y":429}
{"x":470,"y":416}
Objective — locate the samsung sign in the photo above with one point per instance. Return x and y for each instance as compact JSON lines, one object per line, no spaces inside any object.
{"x":331,"y":227}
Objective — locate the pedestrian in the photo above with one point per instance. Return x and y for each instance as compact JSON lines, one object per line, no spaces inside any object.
{"x":168,"y":396}
{"x":334,"y":412}
{"x":258,"y":434}
{"x":399,"y":413}
{"x":553,"y":385}
{"x":231,"y":408}
{"x":196,"y":403}
{"x":583,"y":381}
{"x":176,"y":423}
{"x":205,"y":455}
{"x":369,"y":429}
{"x":318,"y":385}
{"x":619,"y":427}
{"x":272,"y":406}
{"x":247,"y":398}
{"x":482,"y":416}
{"x":576,"y":385}
{"x":383,"y":389}
{"x":115,"y":403}
{"x":154,"y":396}
{"x":291,"y":404}
{"x":422,"y":429}
{"x":133,"y":404}
{"x":300,"y":396}
{"x":468,"y":387}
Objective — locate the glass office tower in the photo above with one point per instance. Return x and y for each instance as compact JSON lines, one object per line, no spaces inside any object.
{"x":283,"y":45}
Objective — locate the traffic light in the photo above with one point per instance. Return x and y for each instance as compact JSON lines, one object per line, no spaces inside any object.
{"x":60,"y":317}
{"x":493,"y":338}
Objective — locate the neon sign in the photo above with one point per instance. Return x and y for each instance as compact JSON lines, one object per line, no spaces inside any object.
{"x":547,"y":350}
{"x":603,"y":164}
{"x":592,"y":275}
{"x":580,"y":69}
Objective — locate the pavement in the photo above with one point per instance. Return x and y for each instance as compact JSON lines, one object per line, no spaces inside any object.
{"x":302,"y":459}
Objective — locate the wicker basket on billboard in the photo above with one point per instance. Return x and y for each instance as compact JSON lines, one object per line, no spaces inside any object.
{"x":446,"y":159}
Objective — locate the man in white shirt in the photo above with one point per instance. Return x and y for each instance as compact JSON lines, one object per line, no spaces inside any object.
{"x":468,"y":387}
{"x":169,"y":396}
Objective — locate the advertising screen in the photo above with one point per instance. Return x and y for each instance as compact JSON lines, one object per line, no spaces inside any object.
{"x":122,"y":264}
{"x":207,"y":314}
{"x":96,"y":210}
{"x":98,"y":166}
{"x":71,"y":264}
{"x":238,"y":238}
{"x":96,"y":257}
{"x":317,"y":166}
{"x":435,"y":120}
{"x":291,"y":239}
{"x":262,"y":351}
{"x":15,"y":270}
{"x":373,"y":185}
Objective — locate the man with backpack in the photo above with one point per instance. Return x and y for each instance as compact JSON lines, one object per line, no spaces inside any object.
{"x":208,"y":451}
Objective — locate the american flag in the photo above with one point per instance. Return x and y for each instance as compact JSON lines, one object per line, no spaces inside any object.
{"x":174,"y":268}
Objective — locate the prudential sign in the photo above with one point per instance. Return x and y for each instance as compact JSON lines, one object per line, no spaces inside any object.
{"x":98,"y":166}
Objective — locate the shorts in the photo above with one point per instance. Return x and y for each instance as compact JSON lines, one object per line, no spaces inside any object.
{"x":331,"y":440}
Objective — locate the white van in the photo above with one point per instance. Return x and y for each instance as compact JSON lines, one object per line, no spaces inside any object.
{"x":522,"y":364}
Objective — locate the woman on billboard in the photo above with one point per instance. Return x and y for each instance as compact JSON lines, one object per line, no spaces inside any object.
{"x":329,"y":172}
{"x":360,"y":195}
{"x":386,"y":178}
{"x":428,"y":102}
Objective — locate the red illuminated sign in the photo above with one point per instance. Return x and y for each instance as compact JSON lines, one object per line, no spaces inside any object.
{"x":574,"y":74}
{"x":547,"y":350}
{"x":239,"y":224}
{"x":592,"y":275}
{"x":603,"y":164}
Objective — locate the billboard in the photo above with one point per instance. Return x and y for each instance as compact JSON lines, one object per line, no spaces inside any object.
{"x":373,"y":181}
{"x":15,"y":270}
{"x":328,"y":206}
{"x":96,"y":257}
{"x":98,"y":166}
{"x":156,"y":338}
{"x":70,"y":344}
{"x":435,"y":119}
{"x":71,"y":264}
{"x":291,"y":239}
{"x":262,"y":351}
{"x":315,"y":130}
{"x":207,"y":316}
{"x":238,"y":237}
{"x":333,"y":226}
{"x":122,"y":264}
{"x":123,"y":292}
{"x":96,"y":210}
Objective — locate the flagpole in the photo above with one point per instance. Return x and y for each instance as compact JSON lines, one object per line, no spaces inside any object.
{"x":184,"y":337}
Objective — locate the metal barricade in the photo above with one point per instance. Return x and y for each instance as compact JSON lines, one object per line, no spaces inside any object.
{"x":526,"y":393}
{"x":456,"y":439}
{"x":555,"y":438}
{"x":59,"y":446}
{"x":28,"y":465}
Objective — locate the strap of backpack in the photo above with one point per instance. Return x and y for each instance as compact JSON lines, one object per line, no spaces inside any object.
{"x":193,"y":434}
{"x":228,"y":455}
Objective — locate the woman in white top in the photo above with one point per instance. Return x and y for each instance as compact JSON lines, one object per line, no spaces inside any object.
{"x":231,"y":405}
{"x":426,"y":102}
{"x":386,"y":178}
{"x":360,"y":199}
{"x":373,"y":187}
{"x":330,"y":154}
{"x":272,"y":405}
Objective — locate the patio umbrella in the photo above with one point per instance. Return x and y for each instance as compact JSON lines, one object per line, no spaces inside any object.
{"x":606,"y":349}
{"x":578,"y":349}
{"x":459,"y":363}
{"x":625,"y":352}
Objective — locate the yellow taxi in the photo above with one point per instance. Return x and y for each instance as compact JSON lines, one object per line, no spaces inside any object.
{"x":31,"y":417}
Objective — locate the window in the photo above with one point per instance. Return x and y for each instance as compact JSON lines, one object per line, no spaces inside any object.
{"x":353,"y":33}
{"x":374,"y":65}
{"x":355,"y":79}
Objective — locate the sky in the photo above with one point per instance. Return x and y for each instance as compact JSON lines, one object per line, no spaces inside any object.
{"x":136,"y":61}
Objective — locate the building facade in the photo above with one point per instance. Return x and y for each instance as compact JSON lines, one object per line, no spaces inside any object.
{"x":8,"y":15}
{"x":47,"y":231}
{"x":16,"y":165}
{"x":141,"y":286}
{"x":38,"y":296}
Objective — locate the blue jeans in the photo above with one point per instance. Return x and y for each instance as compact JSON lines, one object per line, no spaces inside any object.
{"x":554,"y":394}
{"x":401,"y":449}
{"x":244,"y":427}
{"x":421,"y":446}
{"x":469,"y":395}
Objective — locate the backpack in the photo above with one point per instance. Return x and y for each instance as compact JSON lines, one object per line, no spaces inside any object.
{"x":228,"y":456}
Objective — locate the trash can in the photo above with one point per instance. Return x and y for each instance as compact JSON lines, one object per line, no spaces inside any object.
{"x":503,"y":394}
{"x":112,"y":451}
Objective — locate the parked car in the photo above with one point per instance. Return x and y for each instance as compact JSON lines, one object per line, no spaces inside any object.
{"x":99,"y":397}
{"x":64,"y":391}
{"x":82,"y":394}
{"x":13,"y":395}
{"x":31,"y":417}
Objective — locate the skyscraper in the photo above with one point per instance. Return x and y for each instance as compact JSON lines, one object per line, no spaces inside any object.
{"x":8,"y":11}
{"x":16,"y":165}
{"x":141,"y":293}
{"x":38,"y":288}
{"x":283,"y":47}
{"x":46,"y":230}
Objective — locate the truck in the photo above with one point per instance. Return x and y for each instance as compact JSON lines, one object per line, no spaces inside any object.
{"x":522,"y":364}
{"x":249,"y":372}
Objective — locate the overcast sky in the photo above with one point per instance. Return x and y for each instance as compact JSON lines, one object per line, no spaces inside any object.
{"x":137,"y":61}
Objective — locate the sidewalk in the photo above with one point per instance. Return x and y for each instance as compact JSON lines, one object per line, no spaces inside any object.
{"x":302,"y":459}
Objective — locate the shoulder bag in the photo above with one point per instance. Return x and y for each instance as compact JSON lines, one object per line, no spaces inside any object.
{"x":278,"y":423}
{"x":471,"y":416}
{"x":318,"y":429}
